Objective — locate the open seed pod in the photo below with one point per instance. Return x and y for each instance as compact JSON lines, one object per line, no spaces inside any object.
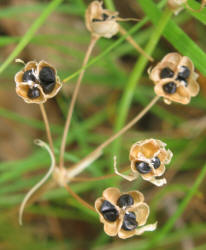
{"x":37,"y":82}
{"x":175,"y":79}
{"x":176,"y":5}
{"x":123,"y":214}
{"x":101,"y":22}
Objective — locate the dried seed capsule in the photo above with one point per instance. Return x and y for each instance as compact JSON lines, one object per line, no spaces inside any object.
{"x":33,"y":93}
{"x":108,"y":211}
{"x":129,"y":221}
{"x":166,"y":73}
{"x":143,"y":167}
{"x":170,"y":88}
{"x":156,"y":162}
{"x":28,"y":76}
{"x":125,"y":200}
{"x":104,"y":16}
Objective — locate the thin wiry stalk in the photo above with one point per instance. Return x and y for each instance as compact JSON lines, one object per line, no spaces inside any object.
{"x":46,"y":122}
{"x":40,"y":183}
{"x":73,"y":101}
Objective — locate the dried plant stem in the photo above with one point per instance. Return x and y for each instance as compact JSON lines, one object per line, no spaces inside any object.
{"x":134,"y":44}
{"x":46,"y":122}
{"x":82,"y":179}
{"x":78,"y":198}
{"x":83,"y":164}
{"x":74,"y":97}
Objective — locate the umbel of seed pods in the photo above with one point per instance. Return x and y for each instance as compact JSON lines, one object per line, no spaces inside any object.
{"x":37,"y":82}
{"x":175,"y":79}
{"x":148,"y":159}
{"x":123,"y":214}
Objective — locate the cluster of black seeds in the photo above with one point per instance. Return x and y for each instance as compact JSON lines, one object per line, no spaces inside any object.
{"x":47,"y":80}
{"x":144,"y":168}
{"x":171,"y":87}
{"x":110,"y":213}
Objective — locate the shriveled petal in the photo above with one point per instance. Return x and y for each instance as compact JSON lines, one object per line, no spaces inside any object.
{"x":147,"y":228}
{"x":112,"y":195}
{"x":142,"y":212}
{"x":149,"y":148}
{"x":137,"y":197}
{"x":105,"y":29}
{"x":173,"y":58}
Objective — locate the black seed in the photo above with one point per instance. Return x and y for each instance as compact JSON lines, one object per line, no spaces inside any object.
{"x":125,"y":200}
{"x":48,"y":88}
{"x":156,"y":162}
{"x":129,"y":222}
{"x":33,"y":93}
{"x":104,"y":16}
{"x":47,"y":76}
{"x":28,"y":76}
{"x":108,"y":211}
{"x":143,"y":167}
{"x":96,"y":20}
{"x":170,"y":88}
{"x":166,"y":73}
{"x":184,"y":73}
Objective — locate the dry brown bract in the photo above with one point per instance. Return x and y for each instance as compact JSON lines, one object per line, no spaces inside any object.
{"x":148,"y":159}
{"x":123,"y":214}
{"x":175,"y":79}
{"x":37,"y":82}
{"x":176,"y":5}
{"x":101,"y":22}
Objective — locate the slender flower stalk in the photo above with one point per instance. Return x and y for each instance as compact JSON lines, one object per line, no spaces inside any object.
{"x":83,"y":164}
{"x":73,"y":101}
{"x":78,"y":198}
{"x":46,"y":122}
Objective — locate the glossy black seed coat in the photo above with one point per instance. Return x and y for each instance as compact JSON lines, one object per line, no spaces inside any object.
{"x":125,"y":200}
{"x":129,"y":221}
{"x":170,"y":88}
{"x":33,"y":93}
{"x":156,"y":162}
{"x":108,"y":211}
{"x":104,"y":16}
{"x":166,"y":73}
{"x":28,"y":76}
{"x":47,"y":75}
{"x":94,"y":20}
{"x":48,"y":88}
{"x":143,"y":167}
{"x":184,"y":73}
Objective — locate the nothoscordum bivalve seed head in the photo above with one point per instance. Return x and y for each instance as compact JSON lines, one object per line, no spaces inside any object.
{"x":125,"y":200}
{"x":33,"y":93}
{"x":156,"y":162}
{"x":170,"y":87}
{"x":129,"y":221}
{"x":28,"y":76}
{"x":108,"y":211}
{"x":166,"y":73}
{"x":143,"y":167}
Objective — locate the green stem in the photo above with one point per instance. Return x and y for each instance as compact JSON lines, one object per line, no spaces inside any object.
{"x":30,"y":33}
{"x":136,"y":75}
{"x":170,"y":223}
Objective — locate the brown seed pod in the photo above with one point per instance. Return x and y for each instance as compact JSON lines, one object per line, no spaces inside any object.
{"x":148,"y":159}
{"x":176,"y":5}
{"x":175,"y":79}
{"x":37,"y":82}
{"x":101,"y":22}
{"x":123,"y":214}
